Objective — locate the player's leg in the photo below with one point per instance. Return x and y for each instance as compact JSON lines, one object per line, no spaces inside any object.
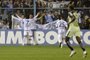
{"x":62,"y":43}
{"x":79,"y":41}
{"x":68,"y":43}
{"x":78,"y":38}
{"x":24,"y":38}
{"x":28,"y":37}
{"x":31,"y":37}
{"x":59,"y":37}
{"x":69,"y":34}
{"x":70,"y":47}
{"x":81,"y":45}
{"x":59,"y":40}
{"x":63,"y":37}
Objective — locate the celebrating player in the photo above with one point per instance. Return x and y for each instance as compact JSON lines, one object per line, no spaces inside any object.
{"x":74,"y":30}
{"x":27,"y":25}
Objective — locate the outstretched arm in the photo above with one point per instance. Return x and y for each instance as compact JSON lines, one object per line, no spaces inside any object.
{"x":18,"y":16}
{"x":15,"y":18}
{"x":36,"y":15}
{"x":41,"y":16}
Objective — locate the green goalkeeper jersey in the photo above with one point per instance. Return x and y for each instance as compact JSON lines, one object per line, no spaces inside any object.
{"x":74,"y":29}
{"x":74,"y":23}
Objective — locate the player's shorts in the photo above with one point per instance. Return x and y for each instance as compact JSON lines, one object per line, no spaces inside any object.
{"x":28,"y":32}
{"x":73,"y":31}
{"x":61,"y":33}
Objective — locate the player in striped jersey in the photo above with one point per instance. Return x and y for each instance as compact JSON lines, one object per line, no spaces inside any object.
{"x":61,"y":27}
{"x":27,"y":25}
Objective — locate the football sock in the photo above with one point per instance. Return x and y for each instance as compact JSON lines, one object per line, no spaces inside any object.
{"x":68,"y":44}
{"x":82,"y":46}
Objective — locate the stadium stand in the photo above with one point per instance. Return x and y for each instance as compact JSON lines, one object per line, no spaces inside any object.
{"x":46,"y":7}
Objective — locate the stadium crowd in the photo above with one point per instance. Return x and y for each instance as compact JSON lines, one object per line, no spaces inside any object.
{"x":46,"y":8}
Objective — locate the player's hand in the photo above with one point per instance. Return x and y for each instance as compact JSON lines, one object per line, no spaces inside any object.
{"x":38,"y":13}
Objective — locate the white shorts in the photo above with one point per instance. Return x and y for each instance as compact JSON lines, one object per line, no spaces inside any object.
{"x":61,"y":33}
{"x":28,"y":32}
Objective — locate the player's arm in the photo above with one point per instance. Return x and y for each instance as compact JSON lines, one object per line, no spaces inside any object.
{"x":66,"y":25}
{"x":73,"y":18}
{"x":15,"y":18}
{"x":35,"y":18}
{"x":40,"y":17}
{"x":18,"y":16}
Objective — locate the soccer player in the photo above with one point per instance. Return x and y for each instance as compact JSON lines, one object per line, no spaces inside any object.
{"x":73,"y":30}
{"x":17,"y":22}
{"x":61,"y":27}
{"x":27,"y":25}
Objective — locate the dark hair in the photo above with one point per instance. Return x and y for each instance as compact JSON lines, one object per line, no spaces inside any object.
{"x":59,"y":17}
{"x":71,"y":7}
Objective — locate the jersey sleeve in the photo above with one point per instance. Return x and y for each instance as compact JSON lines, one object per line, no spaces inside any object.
{"x":15,"y":18}
{"x":70,"y":14}
{"x":18,"y":16}
{"x":66,"y":24}
{"x":35,"y":18}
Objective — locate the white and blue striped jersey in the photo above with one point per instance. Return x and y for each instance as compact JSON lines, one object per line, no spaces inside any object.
{"x":61,"y":24}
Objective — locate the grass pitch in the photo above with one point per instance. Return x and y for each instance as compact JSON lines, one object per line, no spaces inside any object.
{"x":40,"y":53}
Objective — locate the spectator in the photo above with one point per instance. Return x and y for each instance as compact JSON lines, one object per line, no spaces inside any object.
{"x":31,"y":3}
{"x":26,"y":5}
{"x":46,"y":16}
{"x":87,"y":22}
{"x":38,"y":5}
{"x":10,"y":6}
{"x":0,"y":6}
{"x":80,"y":19}
{"x":79,"y":3}
{"x":49,"y":17}
{"x":5,"y":25}
{"x":86,"y":3}
{"x":44,"y":4}
{"x":56,"y":14}
{"x":50,"y":4}
{"x":71,"y":3}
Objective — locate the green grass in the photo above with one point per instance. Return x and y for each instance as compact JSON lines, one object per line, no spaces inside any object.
{"x":40,"y":53}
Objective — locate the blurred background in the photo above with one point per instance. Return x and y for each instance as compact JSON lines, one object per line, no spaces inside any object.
{"x":49,"y":9}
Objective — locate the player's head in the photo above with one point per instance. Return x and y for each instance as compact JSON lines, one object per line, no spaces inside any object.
{"x":18,"y":12}
{"x":30,"y":16}
{"x":44,"y":13}
{"x":60,"y":17}
{"x":71,"y":8}
{"x":22,"y":16}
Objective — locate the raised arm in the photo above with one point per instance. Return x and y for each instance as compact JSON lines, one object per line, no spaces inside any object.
{"x":15,"y":18}
{"x":36,"y":16}
{"x":18,"y":16}
{"x":41,"y":16}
